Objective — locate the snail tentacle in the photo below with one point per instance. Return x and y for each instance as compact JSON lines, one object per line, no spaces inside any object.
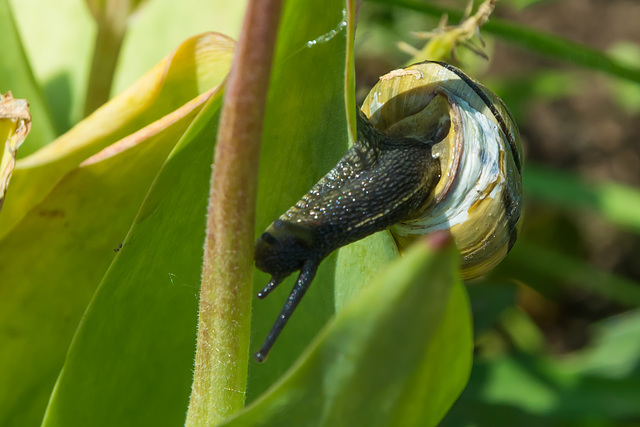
{"x":273,"y":283}
{"x":307,"y":273}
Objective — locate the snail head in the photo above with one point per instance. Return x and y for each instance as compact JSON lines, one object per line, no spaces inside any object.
{"x":283,"y":248}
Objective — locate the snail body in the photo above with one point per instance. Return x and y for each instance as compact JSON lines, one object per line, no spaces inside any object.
{"x":434,"y":150}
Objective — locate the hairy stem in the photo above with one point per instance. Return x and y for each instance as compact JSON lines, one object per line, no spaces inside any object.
{"x":222,"y":353}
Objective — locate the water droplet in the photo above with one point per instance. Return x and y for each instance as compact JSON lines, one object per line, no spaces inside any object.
{"x":330,"y":34}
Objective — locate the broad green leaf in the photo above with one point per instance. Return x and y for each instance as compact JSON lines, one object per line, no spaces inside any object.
{"x":397,"y":354}
{"x":359,"y":263}
{"x":320,"y":126}
{"x":16,"y":76}
{"x":67,"y":242}
{"x":533,"y":40}
{"x":305,"y":133}
{"x":60,"y":49}
{"x":616,"y":203}
{"x":194,"y":67}
{"x":159,"y":25}
{"x":134,"y":348}
{"x":59,"y":52}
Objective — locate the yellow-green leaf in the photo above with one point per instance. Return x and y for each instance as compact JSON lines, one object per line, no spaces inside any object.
{"x":67,"y":240}
{"x":16,"y":76}
{"x":197,"y":65}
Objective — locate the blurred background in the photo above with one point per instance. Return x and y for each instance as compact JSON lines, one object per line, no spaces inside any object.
{"x":557,"y":324}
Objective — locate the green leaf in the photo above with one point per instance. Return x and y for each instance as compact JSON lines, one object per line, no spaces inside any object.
{"x":168,"y":321}
{"x":359,"y":263}
{"x":67,"y":241}
{"x":43,"y":301}
{"x":159,"y":26}
{"x":197,"y":65}
{"x":141,"y":322}
{"x":398,"y":353}
{"x":59,"y":52}
{"x":16,"y":76}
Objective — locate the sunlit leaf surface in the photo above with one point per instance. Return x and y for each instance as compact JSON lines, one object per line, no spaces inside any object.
{"x":397,"y":354}
{"x":66,"y":240}
{"x":197,"y":65}
{"x":16,"y":76}
{"x":146,"y":305}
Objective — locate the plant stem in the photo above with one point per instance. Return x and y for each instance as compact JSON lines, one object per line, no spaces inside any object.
{"x":111,"y":18}
{"x":222,"y":353}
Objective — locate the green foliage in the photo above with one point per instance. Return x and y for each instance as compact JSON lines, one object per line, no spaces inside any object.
{"x":141,"y":320}
{"x":594,"y":386}
{"x":353,"y":373}
{"x":72,"y":225}
{"x":90,"y":336}
{"x":16,"y":75}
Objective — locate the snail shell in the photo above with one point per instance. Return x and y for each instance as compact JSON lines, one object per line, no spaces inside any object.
{"x":478,"y":197}
{"x":434,"y":150}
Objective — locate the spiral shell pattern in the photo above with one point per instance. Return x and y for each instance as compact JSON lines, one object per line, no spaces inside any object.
{"x":479,"y":194}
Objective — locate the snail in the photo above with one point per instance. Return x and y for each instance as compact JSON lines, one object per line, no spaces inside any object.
{"x":434,"y":150}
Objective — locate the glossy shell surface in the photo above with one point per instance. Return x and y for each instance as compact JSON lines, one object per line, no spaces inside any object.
{"x":479,"y":195}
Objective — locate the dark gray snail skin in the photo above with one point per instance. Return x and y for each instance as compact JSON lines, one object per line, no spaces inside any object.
{"x":379,"y":182}
{"x":439,"y":151}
